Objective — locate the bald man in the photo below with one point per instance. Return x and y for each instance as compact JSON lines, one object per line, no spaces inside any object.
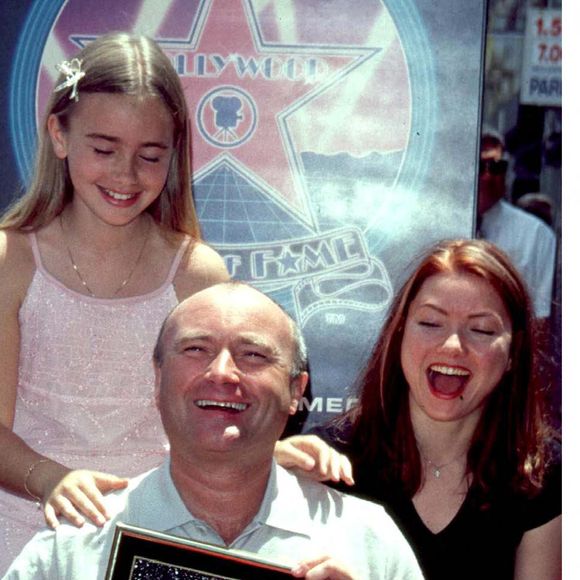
{"x":230,"y":369}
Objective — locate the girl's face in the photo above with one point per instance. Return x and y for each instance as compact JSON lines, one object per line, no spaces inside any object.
{"x":456,"y":346}
{"x":118,"y":149}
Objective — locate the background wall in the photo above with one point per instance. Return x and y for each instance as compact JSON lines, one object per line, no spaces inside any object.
{"x":333,"y":141}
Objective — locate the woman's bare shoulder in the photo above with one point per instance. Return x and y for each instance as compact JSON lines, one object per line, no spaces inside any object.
{"x":200,"y":268}
{"x":16,"y":264}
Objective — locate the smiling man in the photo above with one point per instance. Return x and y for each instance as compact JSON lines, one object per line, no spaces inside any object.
{"x":230,"y":369}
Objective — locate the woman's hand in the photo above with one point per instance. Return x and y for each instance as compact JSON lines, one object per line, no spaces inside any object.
{"x":79,"y":495}
{"x":312,"y":457}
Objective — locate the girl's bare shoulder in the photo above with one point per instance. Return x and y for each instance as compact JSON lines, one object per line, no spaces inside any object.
{"x":16,"y":265}
{"x":201,"y":267}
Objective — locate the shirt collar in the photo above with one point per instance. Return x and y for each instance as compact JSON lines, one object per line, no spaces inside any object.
{"x":161,"y":507}
{"x":284,"y":504}
{"x":495,"y":209}
{"x":283,"y":507}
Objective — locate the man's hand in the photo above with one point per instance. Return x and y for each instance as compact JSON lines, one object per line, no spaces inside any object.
{"x":322,"y":568}
{"x":312,"y":457}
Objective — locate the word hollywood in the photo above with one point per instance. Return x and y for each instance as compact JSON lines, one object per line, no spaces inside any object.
{"x":294,"y":68}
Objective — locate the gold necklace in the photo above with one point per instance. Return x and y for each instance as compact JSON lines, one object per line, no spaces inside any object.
{"x":78,"y":272}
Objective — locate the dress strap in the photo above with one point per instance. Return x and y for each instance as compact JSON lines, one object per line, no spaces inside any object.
{"x":35,"y":250}
{"x":177,"y":258}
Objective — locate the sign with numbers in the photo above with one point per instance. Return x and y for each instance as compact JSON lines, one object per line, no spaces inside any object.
{"x":542,"y":62}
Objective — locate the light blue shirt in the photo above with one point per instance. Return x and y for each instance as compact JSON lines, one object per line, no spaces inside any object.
{"x":531,"y":246}
{"x":298,"y":518}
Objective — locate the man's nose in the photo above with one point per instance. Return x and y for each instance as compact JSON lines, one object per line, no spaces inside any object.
{"x":223,"y":368}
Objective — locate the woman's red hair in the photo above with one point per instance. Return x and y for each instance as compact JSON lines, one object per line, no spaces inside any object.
{"x":509,"y":445}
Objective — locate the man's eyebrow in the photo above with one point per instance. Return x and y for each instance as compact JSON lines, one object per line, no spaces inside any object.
{"x":186,"y":337}
{"x":250,"y":339}
{"x":254,"y":340}
{"x":258,"y":341}
{"x":112,"y":139}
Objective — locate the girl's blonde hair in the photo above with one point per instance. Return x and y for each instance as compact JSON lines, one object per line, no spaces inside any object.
{"x":116,"y":63}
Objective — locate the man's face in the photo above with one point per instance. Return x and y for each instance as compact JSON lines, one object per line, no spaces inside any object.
{"x":491,"y":178}
{"x":224,"y":383}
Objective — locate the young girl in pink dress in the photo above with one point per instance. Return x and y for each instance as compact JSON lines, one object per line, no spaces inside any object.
{"x":92,"y":258}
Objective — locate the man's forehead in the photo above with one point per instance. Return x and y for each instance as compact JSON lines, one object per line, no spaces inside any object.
{"x":248,"y":313}
{"x":226,"y":293}
{"x":227,"y":300}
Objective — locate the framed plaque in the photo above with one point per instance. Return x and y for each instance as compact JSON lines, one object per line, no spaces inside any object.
{"x":138,"y":553}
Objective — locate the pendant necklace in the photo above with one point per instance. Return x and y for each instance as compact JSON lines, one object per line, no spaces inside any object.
{"x":436,"y":469}
{"x":78,"y":272}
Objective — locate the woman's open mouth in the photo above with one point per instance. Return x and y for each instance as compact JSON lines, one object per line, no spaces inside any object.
{"x":447,"y":382}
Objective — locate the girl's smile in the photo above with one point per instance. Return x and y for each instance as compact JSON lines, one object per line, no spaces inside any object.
{"x":115,"y":159}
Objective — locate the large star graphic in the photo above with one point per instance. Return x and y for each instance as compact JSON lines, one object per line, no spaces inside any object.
{"x":244,"y":93}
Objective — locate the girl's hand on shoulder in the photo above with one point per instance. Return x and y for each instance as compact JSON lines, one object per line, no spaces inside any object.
{"x":79,"y":495}
{"x":309,"y":455}
{"x":322,"y":568}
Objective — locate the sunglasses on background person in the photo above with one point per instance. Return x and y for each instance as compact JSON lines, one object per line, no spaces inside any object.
{"x":492,"y":166}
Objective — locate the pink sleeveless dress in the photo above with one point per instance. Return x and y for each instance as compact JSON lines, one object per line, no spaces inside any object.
{"x":86,"y":386}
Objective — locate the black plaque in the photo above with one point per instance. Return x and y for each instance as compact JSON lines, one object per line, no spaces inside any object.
{"x":140,"y":554}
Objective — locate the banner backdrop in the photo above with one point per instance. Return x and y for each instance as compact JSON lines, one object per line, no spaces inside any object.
{"x":333,"y":141}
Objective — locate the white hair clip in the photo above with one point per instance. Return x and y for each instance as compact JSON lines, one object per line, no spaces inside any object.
{"x":72,"y":70}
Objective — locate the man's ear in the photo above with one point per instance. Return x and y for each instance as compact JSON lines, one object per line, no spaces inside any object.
{"x":297,"y":388}
{"x":58,"y":137}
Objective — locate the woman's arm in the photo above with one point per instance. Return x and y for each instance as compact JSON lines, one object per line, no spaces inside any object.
{"x":73,"y":494}
{"x":16,"y":271}
{"x":22,"y":470}
{"x":201,"y":267}
{"x":539,"y":555}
